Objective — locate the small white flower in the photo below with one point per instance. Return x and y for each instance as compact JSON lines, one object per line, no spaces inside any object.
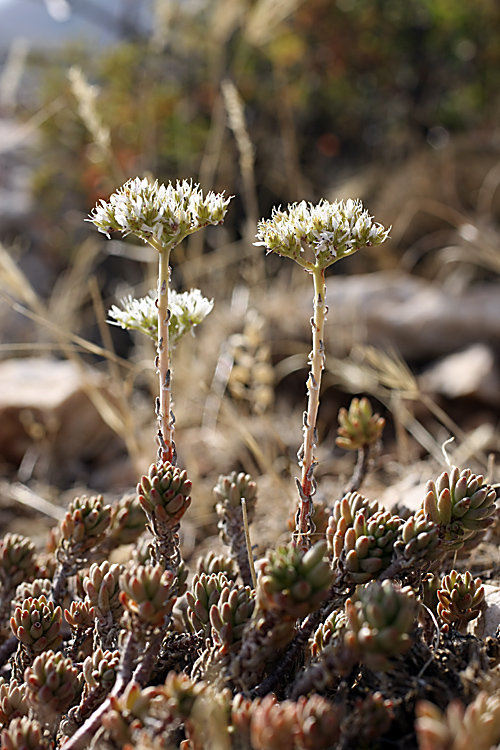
{"x":187,"y":310}
{"x":331,"y":230}
{"x":157,"y":213}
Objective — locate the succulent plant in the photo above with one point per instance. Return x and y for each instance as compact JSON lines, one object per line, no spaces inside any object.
{"x":164,"y":497}
{"x":231,"y":488}
{"x":459,"y":599}
{"x":34,"y":589}
{"x":459,"y":728}
{"x":319,"y":722}
{"x":85,"y":523}
{"x":230,"y":614}
{"x":52,"y":684}
{"x":380,"y":622}
{"x":181,"y":693}
{"x":80,"y":615}
{"x":240,"y":719}
{"x":418,"y":539}
{"x":17,"y":560}
{"x":461,"y":504}
{"x":24,"y":734}
{"x":342,"y":517}
{"x":102,"y":589}
{"x":142,"y":551}
{"x":164,"y":494}
{"x":82,"y":530}
{"x":359,"y":426}
{"x":368,"y":545}
{"x":229,"y":492}
{"x":147,"y":594}
{"x":294,"y":582}
{"x":274,"y":725}
{"x":371,"y":718}
{"x":332,"y":627}
{"x":100,"y":669}
{"x":291,"y":584}
{"x":37,"y":624}
{"x":13,"y":702}
{"x":127,"y":521}
{"x":127,"y":712}
{"x":101,"y":585}
{"x":212,"y":564}
{"x":205,"y":591}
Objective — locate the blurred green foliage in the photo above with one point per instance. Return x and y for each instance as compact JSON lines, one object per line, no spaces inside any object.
{"x":327,"y":87}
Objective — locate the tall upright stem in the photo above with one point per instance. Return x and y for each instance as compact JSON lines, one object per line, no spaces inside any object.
{"x":166,"y":451}
{"x":307,"y":459}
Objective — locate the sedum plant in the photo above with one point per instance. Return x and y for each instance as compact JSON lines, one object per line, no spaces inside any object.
{"x":459,"y":600}
{"x":316,"y":237}
{"x":459,"y":728}
{"x":461,"y":503}
{"x":162,"y":216}
{"x":380,"y":623}
{"x":147,"y":657}
{"x":231,"y":492}
{"x":360,"y":430}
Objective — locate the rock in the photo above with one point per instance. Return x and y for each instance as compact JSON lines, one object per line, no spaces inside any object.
{"x":471,"y":372}
{"x":489,"y":620}
{"x":420,"y":318}
{"x":49,"y":424}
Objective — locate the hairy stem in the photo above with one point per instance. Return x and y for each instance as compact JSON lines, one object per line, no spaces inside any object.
{"x":307,"y":459}
{"x":166,"y":450}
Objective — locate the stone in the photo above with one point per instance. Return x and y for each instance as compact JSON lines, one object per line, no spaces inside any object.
{"x":49,"y":425}
{"x":472,"y":372}
{"x":489,"y":620}
{"x":421,"y":319}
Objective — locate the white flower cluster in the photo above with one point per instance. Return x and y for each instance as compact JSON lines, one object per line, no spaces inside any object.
{"x":332,"y":230}
{"x":187,"y":310}
{"x":159,"y":214}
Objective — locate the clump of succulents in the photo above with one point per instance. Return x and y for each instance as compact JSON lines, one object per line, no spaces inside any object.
{"x":380,"y":623}
{"x":460,"y":598}
{"x":366,"y":548}
{"x":205,"y":592}
{"x":459,"y":727}
{"x":359,"y":426}
{"x":164,"y":495}
{"x":151,"y":657}
{"x":230,"y":492}
{"x":461,"y":503}
{"x":37,"y":624}
{"x":147,"y":595}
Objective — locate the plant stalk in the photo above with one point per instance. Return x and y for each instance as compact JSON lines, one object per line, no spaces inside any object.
{"x":84,"y":734}
{"x":307,"y":459}
{"x":166,"y":451}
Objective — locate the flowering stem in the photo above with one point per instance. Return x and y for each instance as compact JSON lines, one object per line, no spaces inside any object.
{"x":307,"y":459}
{"x":166,"y":451}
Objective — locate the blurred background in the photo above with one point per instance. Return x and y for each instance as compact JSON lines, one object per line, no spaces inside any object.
{"x":272,"y":101}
